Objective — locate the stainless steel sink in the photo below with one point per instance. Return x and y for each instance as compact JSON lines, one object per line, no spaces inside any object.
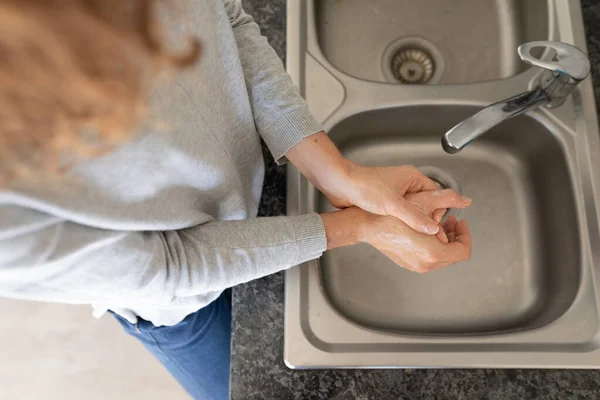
{"x":529,"y":295}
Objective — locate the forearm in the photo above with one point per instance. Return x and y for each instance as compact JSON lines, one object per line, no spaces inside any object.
{"x":233,"y":252}
{"x":281,"y":115}
{"x":320,"y":161}
{"x":54,"y":260}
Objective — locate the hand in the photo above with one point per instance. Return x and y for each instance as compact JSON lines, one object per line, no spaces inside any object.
{"x":417,"y":252}
{"x":407,"y":248}
{"x":379,"y":190}
{"x":397,"y":191}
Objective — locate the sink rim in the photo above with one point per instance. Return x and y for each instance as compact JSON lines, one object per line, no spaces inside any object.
{"x":411,"y":347}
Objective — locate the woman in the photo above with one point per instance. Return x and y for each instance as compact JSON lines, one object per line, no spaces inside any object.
{"x":138,"y":195}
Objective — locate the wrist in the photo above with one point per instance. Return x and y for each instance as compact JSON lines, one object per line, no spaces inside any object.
{"x":333,"y":176}
{"x":345,"y":227}
{"x":346,"y":170}
{"x":320,"y":161}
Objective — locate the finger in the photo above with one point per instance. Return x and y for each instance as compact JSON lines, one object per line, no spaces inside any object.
{"x":449,"y":225}
{"x":414,"y":217}
{"x":451,"y":237}
{"x":448,"y":198}
{"x":463,"y":235}
{"x":460,"y":249}
{"x":441,"y":235}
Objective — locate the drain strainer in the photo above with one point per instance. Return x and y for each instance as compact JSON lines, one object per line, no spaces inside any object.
{"x":412,"y":60}
{"x":439,"y":183}
{"x":413,"y":65}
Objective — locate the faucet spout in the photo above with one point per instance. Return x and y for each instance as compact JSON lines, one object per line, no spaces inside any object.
{"x":562,"y":75}
{"x":462,"y":134}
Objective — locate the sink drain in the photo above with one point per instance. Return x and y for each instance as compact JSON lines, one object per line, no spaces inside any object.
{"x":440,"y":183}
{"x":445,"y":181}
{"x":413,"y":65}
{"x":412,"y":61}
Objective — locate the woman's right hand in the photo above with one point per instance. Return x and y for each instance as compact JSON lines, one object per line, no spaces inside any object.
{"x":400,"y":243}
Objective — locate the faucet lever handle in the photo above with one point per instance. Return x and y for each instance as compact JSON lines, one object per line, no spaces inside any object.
{"x":569,"y":59}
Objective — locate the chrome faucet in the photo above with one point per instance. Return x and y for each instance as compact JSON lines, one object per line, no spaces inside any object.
{"x":569,"y":67}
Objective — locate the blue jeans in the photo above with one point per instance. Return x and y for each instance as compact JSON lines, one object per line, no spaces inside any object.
{"x":196,"y":351}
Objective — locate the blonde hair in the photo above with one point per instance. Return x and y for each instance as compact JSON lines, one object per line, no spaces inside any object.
{"x":66,"y":65}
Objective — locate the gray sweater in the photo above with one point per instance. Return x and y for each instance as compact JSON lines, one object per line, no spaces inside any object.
{"x":161,"y":226}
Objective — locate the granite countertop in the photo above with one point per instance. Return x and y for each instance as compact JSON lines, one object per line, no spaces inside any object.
{"x":257,"y":368}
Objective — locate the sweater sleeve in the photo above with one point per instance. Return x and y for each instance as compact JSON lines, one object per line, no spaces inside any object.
{"x":280,"y":113}
{"x":45,"y":258}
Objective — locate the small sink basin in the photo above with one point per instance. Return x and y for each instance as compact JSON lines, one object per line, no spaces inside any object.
{"x":466,"y":40}
{"x":525,"y":268}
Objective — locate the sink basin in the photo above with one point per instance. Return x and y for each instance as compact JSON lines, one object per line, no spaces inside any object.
{"x":526,"y":262}
{"x":360,"y":37}
{"x":529,"y":296}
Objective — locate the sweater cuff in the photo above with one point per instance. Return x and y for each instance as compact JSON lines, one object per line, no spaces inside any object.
{"x":289,"y":129}
{"x":310,"y":237}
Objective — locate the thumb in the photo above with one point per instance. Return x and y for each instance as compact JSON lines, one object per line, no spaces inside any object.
{"x":413,"y":216}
